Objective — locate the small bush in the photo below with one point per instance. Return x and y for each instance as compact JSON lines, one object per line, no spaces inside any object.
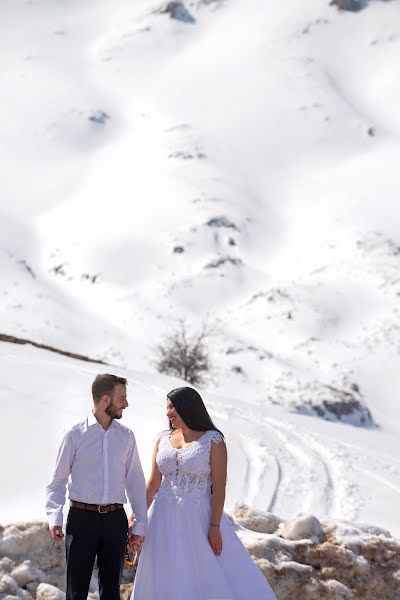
{"x":185,"y":355}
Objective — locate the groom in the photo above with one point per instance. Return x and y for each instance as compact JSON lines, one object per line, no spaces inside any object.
{"x":98,"y":458}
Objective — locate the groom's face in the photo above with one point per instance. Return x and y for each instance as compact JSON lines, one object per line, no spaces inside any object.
{"x":117,"y":402}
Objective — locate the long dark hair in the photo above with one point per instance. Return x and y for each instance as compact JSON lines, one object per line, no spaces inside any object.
{"x":190,"y":407}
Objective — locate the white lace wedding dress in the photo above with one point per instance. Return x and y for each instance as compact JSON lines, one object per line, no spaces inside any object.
{"x":177,"y":561}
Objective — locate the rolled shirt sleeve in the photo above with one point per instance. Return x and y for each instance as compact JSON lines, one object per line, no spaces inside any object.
{"x":136,"y":488}
{"x":55,"y":491}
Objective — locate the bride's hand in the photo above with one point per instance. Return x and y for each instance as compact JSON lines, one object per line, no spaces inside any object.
{"x":215,"y":539}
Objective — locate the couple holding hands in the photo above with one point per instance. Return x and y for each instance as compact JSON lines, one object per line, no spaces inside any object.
{"x":189,"y":549}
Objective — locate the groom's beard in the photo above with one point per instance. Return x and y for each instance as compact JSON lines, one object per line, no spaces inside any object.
{"x":113,"y":412}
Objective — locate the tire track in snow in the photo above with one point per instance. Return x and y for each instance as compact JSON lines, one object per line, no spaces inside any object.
{"x":334,"y":491}
{"x":270,"y":507}
{"x":288,"y":471}
{"x":306,"y":482}
{"x":280,"y":473}
{"x":262,"y":473}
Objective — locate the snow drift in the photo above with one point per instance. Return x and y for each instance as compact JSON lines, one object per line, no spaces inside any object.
{"x":331,"y":560}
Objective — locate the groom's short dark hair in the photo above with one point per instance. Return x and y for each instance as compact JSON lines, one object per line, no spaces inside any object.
{"x":105,"y":383}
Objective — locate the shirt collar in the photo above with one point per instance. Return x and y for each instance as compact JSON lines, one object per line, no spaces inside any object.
{"x":113,"y":424}
{"x":91,"y":419}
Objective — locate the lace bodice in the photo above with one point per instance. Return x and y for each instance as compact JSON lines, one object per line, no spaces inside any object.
{"x":186,"y":471}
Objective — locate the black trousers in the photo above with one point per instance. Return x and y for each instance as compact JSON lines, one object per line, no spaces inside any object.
{"x":90,"y":534}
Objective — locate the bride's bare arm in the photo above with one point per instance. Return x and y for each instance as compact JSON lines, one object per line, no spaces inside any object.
{"x":152,"y":485}
{"x":154,"y":482}
{"x":219,"y":461}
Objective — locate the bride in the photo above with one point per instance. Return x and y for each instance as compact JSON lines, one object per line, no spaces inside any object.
{"x":191,"y":551}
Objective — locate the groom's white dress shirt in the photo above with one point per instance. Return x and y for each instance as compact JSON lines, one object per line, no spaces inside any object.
{"x":99,"y":467}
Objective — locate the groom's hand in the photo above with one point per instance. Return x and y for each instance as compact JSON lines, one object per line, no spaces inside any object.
{"x":135,"y":541}
{"x":56,"y":533}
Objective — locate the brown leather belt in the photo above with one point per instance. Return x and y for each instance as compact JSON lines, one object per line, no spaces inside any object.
{"x":100,"y":508}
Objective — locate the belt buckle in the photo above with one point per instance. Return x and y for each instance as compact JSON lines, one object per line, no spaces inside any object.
{"x":102,"y":512}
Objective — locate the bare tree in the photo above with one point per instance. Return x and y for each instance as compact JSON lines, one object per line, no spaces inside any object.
{"x":185,"y":355}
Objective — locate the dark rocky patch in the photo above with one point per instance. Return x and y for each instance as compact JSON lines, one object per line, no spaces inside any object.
{"x":178,"y":11}
{"x":59,"y":270}
{"x":89,"y":277}
{"x":221,"y":222}
{"x":352,"y":5}
{"x":99,"y":117}
{"x":27,"y":267}
{"x":343,"y":402}
{"x":223,"y":261}
{"x":12,"y":339}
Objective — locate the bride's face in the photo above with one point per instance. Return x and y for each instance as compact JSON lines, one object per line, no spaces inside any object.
{"x":173,"y":416}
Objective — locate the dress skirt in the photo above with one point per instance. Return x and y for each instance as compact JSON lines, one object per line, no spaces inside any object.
{"x":178,"y":563}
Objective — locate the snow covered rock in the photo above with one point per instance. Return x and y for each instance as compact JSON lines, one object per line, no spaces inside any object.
{"x":351,"y":561}
{"x":27,"y":573}
{"x":256,"y":520}
{"x":31,"y":541}
{"x":29,"y":556}
{"x":10,"y":589}
{"x":331,"y":401}
{"x":49,"y":592}
{"x":6,"y":565}
{"x":353,"y":5}
{"x":29,"y":538}
{"x":334,"y":560}
{"x":8,"y":586}
{"x":302,"y":527}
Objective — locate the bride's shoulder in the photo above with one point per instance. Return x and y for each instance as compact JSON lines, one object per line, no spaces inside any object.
{"x":215,"y":436}
{"x":161,"y":436}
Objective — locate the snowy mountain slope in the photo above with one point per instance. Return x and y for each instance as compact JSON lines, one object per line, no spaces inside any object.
{"x":242,"y":167}
{"x":268,"y":177}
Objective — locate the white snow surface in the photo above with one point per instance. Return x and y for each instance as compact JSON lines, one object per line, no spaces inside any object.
{"x":263,"y":138}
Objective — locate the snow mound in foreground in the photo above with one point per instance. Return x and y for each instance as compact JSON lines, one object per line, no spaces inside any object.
{"x":332,"y":560}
